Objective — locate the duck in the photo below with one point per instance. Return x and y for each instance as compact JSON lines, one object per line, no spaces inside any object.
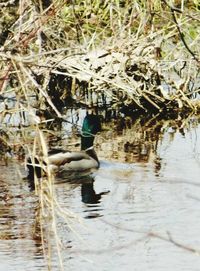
{"x":70,"y":164}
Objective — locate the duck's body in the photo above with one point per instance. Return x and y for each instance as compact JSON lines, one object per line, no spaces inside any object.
{"x":69,"y":164}
{"x":77,"y":162}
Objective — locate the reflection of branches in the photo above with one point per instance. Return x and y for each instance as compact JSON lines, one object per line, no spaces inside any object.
{"x":193,"y":197}
{"x":111,"y":249}
{"x":171,"y":240}
{"x":145,"y":236}
{"x":156,"y":235}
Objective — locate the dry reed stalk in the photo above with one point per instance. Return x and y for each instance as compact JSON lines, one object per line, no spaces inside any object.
{"x":47,"y":199}
{"x":50,"y":208}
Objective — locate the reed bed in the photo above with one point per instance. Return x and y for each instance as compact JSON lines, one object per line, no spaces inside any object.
{"x":147,"y":53}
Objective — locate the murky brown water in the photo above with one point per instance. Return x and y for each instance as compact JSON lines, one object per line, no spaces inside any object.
{"x":149,"y":220}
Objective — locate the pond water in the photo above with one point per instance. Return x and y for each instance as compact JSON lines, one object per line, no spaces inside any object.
{"x":140,"y":210}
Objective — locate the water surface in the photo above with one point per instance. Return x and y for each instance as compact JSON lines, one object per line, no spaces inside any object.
{"x":140,"y":211}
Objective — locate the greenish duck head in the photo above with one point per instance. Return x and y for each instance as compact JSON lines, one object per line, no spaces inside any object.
{"x":91,"y":126}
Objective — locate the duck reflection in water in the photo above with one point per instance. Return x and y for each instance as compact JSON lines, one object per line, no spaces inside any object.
{"x":88,"y":194}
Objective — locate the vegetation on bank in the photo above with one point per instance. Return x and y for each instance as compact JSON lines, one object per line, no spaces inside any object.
{"x":141,"y":55}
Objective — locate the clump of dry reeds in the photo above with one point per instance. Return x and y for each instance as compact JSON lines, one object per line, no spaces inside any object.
{"x":141,"y":54}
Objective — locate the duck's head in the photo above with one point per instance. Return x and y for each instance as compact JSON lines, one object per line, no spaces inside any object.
{"x":91,"y":126}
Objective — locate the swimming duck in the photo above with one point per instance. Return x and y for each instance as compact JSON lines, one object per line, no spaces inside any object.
{"x":70,"y":164}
